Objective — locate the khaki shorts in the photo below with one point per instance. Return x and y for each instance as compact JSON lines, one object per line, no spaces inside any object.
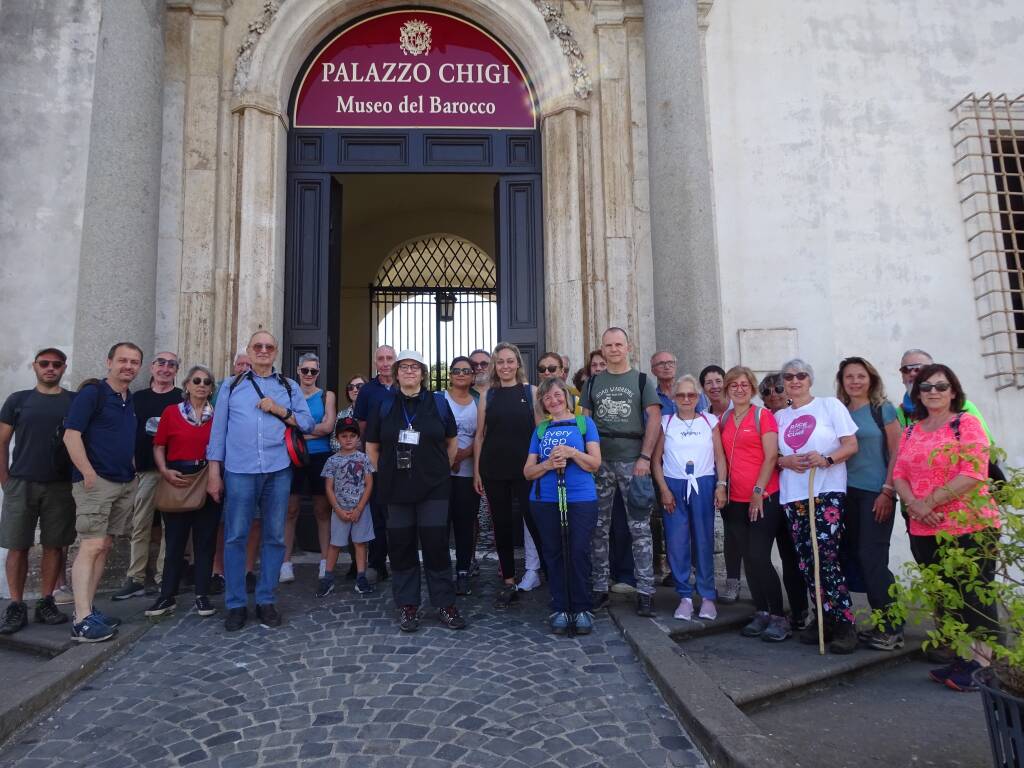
{"x":28,"y":503}
{"x":105,"y":510}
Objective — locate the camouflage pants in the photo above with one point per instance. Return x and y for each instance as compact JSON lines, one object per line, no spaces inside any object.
{"x":610,"y":476}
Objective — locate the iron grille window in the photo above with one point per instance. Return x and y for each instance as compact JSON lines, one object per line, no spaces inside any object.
{"x":436,"y":294}
{"x":988,"y":136}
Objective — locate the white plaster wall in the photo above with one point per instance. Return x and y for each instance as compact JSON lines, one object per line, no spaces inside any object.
{"x":837,"y":207}
{"x":47,"y":59}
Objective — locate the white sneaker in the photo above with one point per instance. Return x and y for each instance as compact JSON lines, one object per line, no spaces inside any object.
{"x":323,"y":569}
{"x":708,"y":610}
{"x":531,"y":580}
{"x":287,"y":573}
{"x":63,"y":595}
{"x":622,"y":588}
{"x":685,"y":610}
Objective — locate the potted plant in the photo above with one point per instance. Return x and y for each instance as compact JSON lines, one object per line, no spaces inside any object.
{"x":937,"y":591}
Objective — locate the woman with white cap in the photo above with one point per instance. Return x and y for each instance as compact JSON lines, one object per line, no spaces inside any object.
{"x":412,"y":441}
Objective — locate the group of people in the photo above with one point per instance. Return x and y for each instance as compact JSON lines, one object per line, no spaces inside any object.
{"x":401,"y":471}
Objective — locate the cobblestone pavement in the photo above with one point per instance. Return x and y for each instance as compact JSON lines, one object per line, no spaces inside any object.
{"x":339,"y":685}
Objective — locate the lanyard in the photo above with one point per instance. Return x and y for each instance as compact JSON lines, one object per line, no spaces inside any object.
{"x":409,"y":420}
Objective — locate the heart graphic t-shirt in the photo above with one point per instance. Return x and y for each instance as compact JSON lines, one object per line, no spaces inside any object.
{"x":816,"y":426}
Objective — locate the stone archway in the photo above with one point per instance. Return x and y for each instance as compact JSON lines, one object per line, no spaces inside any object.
{"x":257,"y":239}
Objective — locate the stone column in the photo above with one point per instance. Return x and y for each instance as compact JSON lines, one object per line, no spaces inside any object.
{"x":117,"y":264}
{"x":686,"y":288}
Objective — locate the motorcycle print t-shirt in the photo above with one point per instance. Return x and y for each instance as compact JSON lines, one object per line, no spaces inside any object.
{"x":617,"y":406}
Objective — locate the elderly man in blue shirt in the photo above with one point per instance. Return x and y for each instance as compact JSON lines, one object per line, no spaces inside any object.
{"x":247,"y":441}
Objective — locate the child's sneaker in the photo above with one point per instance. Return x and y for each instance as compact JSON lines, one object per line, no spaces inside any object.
{"x":325,"y":587}
{"x":363,"y":585}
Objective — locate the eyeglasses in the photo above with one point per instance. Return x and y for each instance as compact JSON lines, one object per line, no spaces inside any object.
{"x":548,"y":368}
{"x":309,"y":371}
{"x":480,"y":365}
{"x":50,"y":364}
{"x":778,"y":389}
{"x":905,"y":369}
{"x":686,"y":395}
{"x":204,"y":382}
{"x":663,"y":363}
{"x":163,"y":362}
{"x":461,"y":371}
{"x":409,"y":368}
{"x":939,"y":386}
{"x":799,"y":376}
{"x":354,"y":386}
{"x":260,"y":347}
{"x":740,"y":385}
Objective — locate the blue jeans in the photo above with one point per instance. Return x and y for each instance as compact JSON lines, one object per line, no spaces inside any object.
{"x":247,"y":497}
{"x":582,"y":520}
{"x":697,"y":514}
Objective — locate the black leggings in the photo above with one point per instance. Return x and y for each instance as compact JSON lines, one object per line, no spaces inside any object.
{"x":734,"y":523}
{"x":756,"y":540}
{"x":868,"y":541}
{"x":462,"y":512}
{"x":510,"y":507}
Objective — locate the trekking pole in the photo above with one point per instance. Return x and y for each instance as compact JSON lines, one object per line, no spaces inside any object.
{"x":817,"y":562}
{"x":563,"y":515}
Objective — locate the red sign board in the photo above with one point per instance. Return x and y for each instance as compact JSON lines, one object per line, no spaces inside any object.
{"x":414,"y":69}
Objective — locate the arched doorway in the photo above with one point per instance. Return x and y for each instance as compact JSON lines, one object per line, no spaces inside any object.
{"x":349,"y":184}
{"x":437,"y":294}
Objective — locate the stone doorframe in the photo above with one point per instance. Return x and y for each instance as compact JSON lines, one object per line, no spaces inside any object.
{"x":231,"y":215}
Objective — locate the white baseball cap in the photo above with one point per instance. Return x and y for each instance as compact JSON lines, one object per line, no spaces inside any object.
{"x":411,"y":354}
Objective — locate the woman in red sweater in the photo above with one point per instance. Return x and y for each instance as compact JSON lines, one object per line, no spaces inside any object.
{"x":179,"y":448}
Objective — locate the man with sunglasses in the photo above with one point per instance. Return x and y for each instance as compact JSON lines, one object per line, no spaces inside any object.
{"x":149,"y":405}
{"x":35,"y":489}
{"x":911,"y":363}
{"x":480,"y":360}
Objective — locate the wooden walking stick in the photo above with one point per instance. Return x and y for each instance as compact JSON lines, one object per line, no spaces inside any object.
{"x":817,"y":562}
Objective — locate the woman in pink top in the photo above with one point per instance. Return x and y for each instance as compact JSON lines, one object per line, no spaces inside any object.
{"x":943,"y":459}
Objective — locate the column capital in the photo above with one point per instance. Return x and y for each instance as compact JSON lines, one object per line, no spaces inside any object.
{"x":261,"y":102}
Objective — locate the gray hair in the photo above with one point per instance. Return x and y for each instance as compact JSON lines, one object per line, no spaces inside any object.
{"x":309,"y":357}
{"x":915,"y":351}
{"x":687,"y":377}
{"x":798,"y":365}
{"x":188,"y":379}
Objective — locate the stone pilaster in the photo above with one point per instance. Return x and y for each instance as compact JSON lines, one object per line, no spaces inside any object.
{"x":117,"y":265}
{"x":686,"y":287}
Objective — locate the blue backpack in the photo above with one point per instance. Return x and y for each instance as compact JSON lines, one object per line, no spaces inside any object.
{"x":440,"y":401}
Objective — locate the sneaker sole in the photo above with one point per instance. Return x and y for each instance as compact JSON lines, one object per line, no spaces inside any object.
{"x":365,"y":591}
{"x":961,"y":689}
{"x":751,"y":633}
{"x":325,"y":594}
{"x":162,"y":612}
{"x":769,"y":639}
{"x":137,"y":593}
{"x":204,"y":614}
{"x":80,"y":639}
{"x":888,"y":648}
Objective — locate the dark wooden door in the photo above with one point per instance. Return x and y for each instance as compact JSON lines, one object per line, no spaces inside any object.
{"x":520,"y":258}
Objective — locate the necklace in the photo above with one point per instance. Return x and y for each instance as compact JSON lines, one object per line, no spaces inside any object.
{"x":737,"y":417}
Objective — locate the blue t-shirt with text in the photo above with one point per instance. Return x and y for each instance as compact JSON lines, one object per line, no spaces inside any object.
{"x":579,"y":484}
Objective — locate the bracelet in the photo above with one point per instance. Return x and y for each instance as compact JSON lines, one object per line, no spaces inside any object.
{"x":645,"y":457}
{"x":887,"y":487}
{"x":722,"y":484}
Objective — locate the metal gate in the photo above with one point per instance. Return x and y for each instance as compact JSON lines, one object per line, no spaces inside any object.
{"x":436,"y":294}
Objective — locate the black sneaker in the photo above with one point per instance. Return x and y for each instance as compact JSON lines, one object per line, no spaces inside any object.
{"x":600,"y":600}
{"x":410,"y":618}
{"x":250,"y":582}
{"x":809,"y":634}
{"x":130,"y":589}
{"x":325,"y":587}
{"x":217,"y":584}
{"x":47,"y":612}
{"x":162,"y":607}
{"x":507,"y":595}
{"x":450,"y":617}
{"x":15,"y":618}
{"x":268,"y":616}
{"x":204,"y":607}
{"x":235,"y":619}
{"x":844,"y":638}
{"x":643,"y":605}
{"x":462,"y":586}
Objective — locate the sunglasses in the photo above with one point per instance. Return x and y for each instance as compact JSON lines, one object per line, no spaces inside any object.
{"x":50,"y":364}
{"x":461,"y":371}
{"x":354,"y":386}
{"x":778,"y":389}
{"x":163,"y":362}
{"x":480,"y":366}
{"x":685,"y":395}
{"x":204,"y":382}
{"x":309,"y":371}
{"x":939,"y":386}
{"x":911,"y":368}
{"x":801,"y":376}
{"x":260,"y":347}
{"x":548,"y":368}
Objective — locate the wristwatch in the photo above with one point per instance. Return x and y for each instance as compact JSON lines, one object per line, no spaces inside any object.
{"x":288,"y":414}
{"x":830,"y":461}
{"x":758,"y":490}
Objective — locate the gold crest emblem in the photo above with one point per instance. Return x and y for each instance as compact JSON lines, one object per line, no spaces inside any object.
{"x":415,"y":37}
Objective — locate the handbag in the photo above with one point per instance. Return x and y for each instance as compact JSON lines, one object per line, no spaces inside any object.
{"x":294,"y":440}
{"x":192,"y":497}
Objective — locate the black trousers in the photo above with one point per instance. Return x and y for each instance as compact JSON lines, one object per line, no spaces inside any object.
{"x":510,"y":507}
{"x":733,"y":525}
{"x":202,"y":525}
{"x":868,"y":542}
{"x":425,"y":524}
{"x":792,"y":577}
{"x":756,"y":540}
{"x":462,"y":508}
{"x":377,"y":552}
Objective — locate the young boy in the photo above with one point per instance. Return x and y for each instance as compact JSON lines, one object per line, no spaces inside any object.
{"x":349,"y":482}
